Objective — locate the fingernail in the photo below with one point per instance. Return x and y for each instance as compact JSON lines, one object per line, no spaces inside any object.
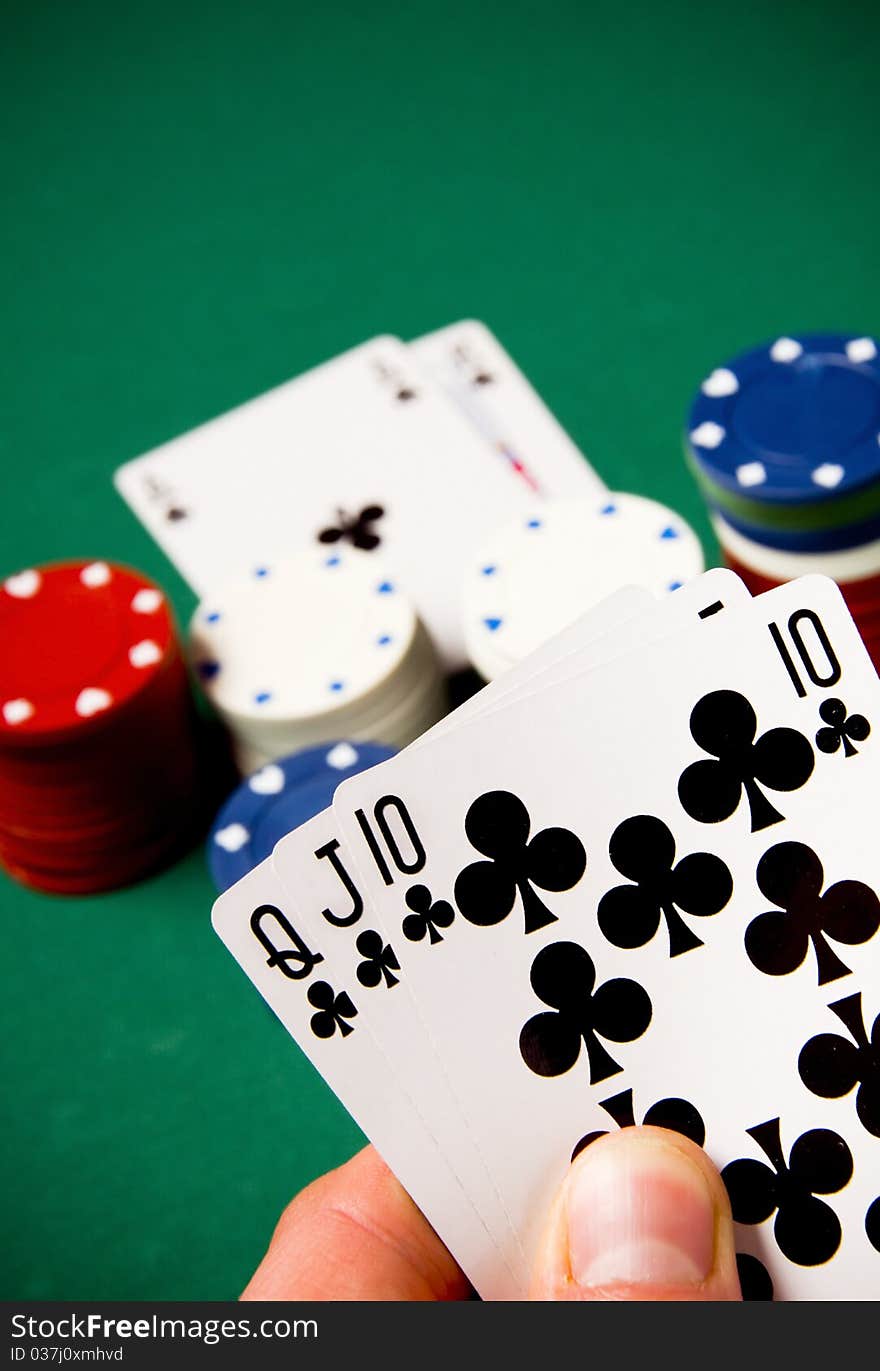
{"x":639,"y":1214}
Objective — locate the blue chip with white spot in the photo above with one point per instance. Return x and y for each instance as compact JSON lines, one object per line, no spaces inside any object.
{"x":278,"y":798}
{"x":549,"y":566}
{"x":795,"y":421}
{"x":840,"y":539}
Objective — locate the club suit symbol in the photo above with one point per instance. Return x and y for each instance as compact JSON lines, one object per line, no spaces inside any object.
{"x":379,"y":960}
{"x":498,"y":825}
{"x":791,"y":876}
{"x":563,"y":976}
{"x":676,"y":1114}
{"x":806,"y":1229}
{"x":333,"y":1011}
{"x":428,"y":915}
{"x":840,"y":728}
{"x":755,"y":1281}
{"x":724,"y":724}
{"x":831,"y":1065}
{"x":643,"y":850}
{"x":356,"y":529}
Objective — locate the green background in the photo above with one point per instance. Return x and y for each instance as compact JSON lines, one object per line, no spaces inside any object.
{"x":200,"y":200}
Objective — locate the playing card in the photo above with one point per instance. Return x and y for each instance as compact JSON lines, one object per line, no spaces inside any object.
{"x":319,"y":877}
{"x":578,"y":649}
{"x":365,"y":450}
{"x":651,"y":889}
{"x":288,"y":964}
{"x":479,"y":375}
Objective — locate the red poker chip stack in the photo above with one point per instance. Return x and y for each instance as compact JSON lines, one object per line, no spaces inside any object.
{"x":862,"y":597}
{"x":856,"y":571}
{"x":98,"y":760}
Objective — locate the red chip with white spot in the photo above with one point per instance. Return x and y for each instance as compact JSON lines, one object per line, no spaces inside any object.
{"x":80,"y":639}
{"x":99,"y":774}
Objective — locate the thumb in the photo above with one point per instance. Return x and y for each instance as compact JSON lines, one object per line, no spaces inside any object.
{"x":642,"y":1215}
{"x":355,"y":1234}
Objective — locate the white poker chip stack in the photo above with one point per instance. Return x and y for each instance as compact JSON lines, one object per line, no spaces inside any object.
{"x":321,"y":645}
{"x":549,"y":566}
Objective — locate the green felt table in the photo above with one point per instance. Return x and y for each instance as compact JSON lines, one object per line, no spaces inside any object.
{"x":201,"y":200}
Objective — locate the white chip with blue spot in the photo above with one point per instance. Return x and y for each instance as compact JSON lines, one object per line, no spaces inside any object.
{"x":310,"y":638}
{"x":541,"y":572}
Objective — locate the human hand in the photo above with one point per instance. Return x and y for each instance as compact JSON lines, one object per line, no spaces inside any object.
{"x":641,"y":1215}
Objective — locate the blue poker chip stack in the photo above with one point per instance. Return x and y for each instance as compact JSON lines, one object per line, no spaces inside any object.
{"x":784,"y":441}
{"x":278,"y":798}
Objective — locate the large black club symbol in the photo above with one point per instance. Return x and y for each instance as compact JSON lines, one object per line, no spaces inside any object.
{"x":723,"y":724}
{"x":806,"y":1229}
{"x":840,"y":727}
{"x":498,"y":824}
{"x":872,"y":1224}
{"x":333,"y":1011}
{"x":380,"y":960}
{"x":643,"y":849}
{"x":678,"y":1115}
{"x":428,"y":915}
{"x":830,"y":1065}
{"x":754,"y":1278}
{"x":791,"y":875}
{"x":355,"y":529}
{"x":564,"y":977}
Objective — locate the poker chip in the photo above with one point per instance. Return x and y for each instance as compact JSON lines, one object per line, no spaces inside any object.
{"x":98,"y":764}
{"x":794,"y":423}
{"x":785,"y":444}
{"x":279,"y":797}
{"x":399,"y":729}
{"x":544,"y":569}
{"x":804,"y":540}
{"x":861,"y":594}
{"x":80,"y":640}
{"x":323,"y":644}
{"x":848,"y":565}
